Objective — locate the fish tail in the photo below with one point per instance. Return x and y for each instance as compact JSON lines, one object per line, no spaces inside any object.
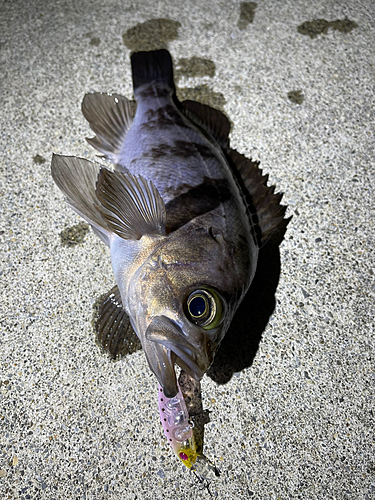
{"x":154,"y":66}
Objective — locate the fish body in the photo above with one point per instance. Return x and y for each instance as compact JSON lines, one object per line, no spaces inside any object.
{"x":166,"y":146}
{"x":184,"y":240}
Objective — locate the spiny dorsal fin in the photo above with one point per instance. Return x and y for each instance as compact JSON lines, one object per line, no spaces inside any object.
{"x":110,"y":117}
{"x":130,"y":205}
{"x":113,"y":329}
{"x":268,"y":211}
{"x":76,"y":178}
{"x":213,"y":121}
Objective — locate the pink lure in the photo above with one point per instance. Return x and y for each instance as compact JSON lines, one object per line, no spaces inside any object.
{"x":177,"y":427}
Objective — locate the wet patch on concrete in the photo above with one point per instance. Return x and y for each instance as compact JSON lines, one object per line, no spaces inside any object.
{"x":321,"y":26}
{"x":39,"y":160}
{"x":195,"y":66}
{"x":202,"y":93}
{"x":247,"y":13}
{"x":151,"y":35}
{"x":95,"y":41}
{"x":74,"y":235}
{"x":296,"y":96}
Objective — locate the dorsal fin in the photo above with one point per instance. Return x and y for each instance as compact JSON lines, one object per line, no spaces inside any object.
{"x":268,"y":212}
{"x":131,"y":205}
{"x":213,"y":121}
{"x":113,"y":329}
{"x":110,"y":117}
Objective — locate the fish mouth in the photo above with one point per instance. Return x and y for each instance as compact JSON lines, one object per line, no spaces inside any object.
{"x":167,"y":345}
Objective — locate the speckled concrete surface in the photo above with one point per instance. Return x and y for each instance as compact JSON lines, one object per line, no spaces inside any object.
{"x":298,"y":422}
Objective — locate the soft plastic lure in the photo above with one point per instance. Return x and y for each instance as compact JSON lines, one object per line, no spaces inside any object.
{"x":177,"y":427}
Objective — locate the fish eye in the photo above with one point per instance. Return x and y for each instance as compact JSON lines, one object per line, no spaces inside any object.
{"x":204,"y":308}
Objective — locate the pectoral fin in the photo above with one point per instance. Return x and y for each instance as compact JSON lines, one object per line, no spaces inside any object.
{"x":76,"y":178}
{"x":131,"y":206}
{"x":112,"y":202}
{"x":113,"y":329}
{"x":110,"y":117}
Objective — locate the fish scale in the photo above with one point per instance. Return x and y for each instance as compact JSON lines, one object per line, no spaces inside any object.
{"x":177,"y":155}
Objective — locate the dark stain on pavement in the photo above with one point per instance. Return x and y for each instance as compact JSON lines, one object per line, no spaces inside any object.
{"x":151,"y":35}
{"x":95,"y":41}
{"x":74,"y":235}
{"x":202,"y":93}
{"x":195,"y":66}
{"x":296,"y":96}
{"x":321,"y":26}
{"x":247,"y":13}
{"x":39,"y":160}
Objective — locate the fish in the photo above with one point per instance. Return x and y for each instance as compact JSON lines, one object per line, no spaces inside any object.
{"x":184,"y":216}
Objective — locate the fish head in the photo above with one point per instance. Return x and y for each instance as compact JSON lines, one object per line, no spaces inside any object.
{"x":181,"y":300}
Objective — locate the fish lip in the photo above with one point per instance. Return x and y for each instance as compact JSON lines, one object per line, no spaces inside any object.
{"x":167,"y":333}
{"x":195,"y":368}
{"x":188,"y":363}
{"x":161,"y":362}
{"x":166,"y":384}
{"x":195,"y":373}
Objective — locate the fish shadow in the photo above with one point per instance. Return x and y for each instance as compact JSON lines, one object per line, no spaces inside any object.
{"x":241,"y":342}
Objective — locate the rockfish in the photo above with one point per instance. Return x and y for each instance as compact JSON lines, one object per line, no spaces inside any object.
{"x":184,"y":217}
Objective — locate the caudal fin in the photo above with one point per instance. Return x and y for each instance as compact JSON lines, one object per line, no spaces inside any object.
{"x":154,"y":66}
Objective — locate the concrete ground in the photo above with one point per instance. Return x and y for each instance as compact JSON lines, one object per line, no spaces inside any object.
{"x":293,"y":419}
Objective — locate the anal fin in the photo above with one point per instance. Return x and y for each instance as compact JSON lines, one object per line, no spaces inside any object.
{"x":113,"y":329}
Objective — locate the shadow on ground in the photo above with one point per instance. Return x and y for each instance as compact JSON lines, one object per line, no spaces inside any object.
{"x":240,"y":344}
